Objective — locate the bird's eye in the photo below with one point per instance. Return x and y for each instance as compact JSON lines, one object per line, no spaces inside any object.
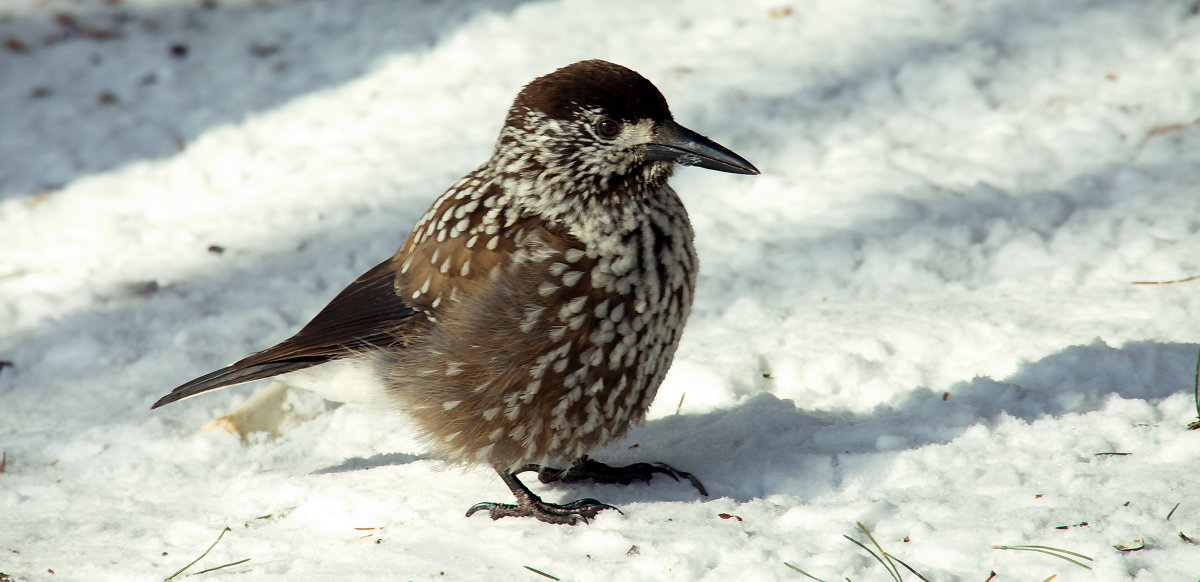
{"x":607,"y":127}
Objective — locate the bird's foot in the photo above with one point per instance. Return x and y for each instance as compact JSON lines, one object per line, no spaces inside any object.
{"x":530,"y":505}
{"x":564,"y":514}
{"x":587,"y":469}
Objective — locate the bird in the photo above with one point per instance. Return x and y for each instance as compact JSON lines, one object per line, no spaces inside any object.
{"x":531,"y":314}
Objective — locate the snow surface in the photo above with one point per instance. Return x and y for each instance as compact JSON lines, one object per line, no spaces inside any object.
{"x":920,"y":317}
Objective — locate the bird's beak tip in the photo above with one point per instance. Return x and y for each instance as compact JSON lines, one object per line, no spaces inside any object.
{"x":675,"y":143}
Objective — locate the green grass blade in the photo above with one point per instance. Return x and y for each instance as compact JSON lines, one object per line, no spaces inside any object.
{"x":1196,"y":385}
{"x":796,"y":568}
{"x":200,"y":557}
{"x":892,"y":569}
{"x":910,"y":568}
{"x":224,"y":566}
{"x":895,"y":576}
{"x":536,"y":571}
{"x":1056,"y":552}
{"x":1053,"y":549}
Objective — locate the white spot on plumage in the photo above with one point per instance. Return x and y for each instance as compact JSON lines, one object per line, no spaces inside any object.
{"x":604,"y":332}
{"x":531,"y":390}
{"x":484,"y":453}
{"x":593,"y":417}
{"x":592,"y":356}
{"x":572,"y":307}
{"x":532,"y":317}
{"x":617,"y":314}
{"x":559,"y":414}
{"x":618,"y":352}
{"x":557,"y":332}
{"x":572,"y":380}
{"x":571,"y":278}
{"x":513,"y":412}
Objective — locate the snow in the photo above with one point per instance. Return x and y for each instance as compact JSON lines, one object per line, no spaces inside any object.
{"x":920,"y":317}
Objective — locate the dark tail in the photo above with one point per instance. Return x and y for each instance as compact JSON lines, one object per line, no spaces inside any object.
{"x":365,"y":315}
{"x":235,"y":374}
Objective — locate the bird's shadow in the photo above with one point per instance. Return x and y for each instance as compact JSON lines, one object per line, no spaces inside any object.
{"x":372,"y":462}
{"x":771,"y":446}
{"x":766,"y":445}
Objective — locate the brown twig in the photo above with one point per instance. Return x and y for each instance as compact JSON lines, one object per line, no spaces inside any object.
{"x":1185,"y":280}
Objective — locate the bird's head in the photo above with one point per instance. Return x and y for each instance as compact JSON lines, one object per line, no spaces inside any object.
{"x":594,"y":127}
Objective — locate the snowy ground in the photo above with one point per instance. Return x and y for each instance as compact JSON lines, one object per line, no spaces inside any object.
{"x":920,"y":317}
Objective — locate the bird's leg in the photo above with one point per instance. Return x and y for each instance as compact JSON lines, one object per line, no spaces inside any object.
{"x":586,"y":469}
{"x":530,"y":505}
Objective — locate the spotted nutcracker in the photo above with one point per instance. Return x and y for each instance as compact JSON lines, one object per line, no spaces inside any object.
{"x":533,"y":311}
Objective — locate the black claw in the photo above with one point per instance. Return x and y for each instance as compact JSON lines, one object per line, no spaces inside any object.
{"x":676,"y":473}
{"x":586,"y":469}
{"x":481,"y":505}
{"x":591,"y":506}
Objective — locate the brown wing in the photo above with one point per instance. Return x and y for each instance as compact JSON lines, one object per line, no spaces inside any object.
{"x":366,"y":314}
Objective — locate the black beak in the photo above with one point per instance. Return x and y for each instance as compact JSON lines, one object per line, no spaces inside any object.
{"x":676,"y":143}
